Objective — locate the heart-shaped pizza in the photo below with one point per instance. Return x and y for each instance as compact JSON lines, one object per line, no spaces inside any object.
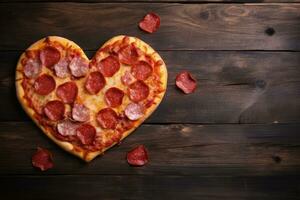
{"x":87,"y":106}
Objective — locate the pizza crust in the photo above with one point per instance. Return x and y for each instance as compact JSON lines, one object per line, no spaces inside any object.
{"x":88,"y":156}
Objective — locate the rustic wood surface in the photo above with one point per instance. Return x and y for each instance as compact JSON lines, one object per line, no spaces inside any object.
{"x":177,"y":149}
{"x":160,"y":1}
{"x":184,"y":26}
{"x":236,"y":137}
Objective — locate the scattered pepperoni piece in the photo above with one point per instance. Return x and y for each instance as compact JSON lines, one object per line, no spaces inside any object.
{"x":127,"y":78}
{"x":95,"y":82}
{"x":107,"y":118}
{"x":80,"y":113}
{"x":54,"y":110}
{"x":114,"y":97}
{"x":42,"y":159}
{"x":62,"y":68}
{"x":32,"y":68}
{"x":138,"y":91}
{"x":109,"y":66}
{"x":150,"y":23}
{"x":44,"y":84}
{"x":67,"y":128}
{"x":138,"y":156}
{"x":67,"y":92}
{"x":49,"y":56}
{"x":79,"y":66}
{"x":141,"y":70}
{"x":86,"y":133}
{"x":186,"y":82}
{"x":128,"y":54}
{"x":134,"y":111}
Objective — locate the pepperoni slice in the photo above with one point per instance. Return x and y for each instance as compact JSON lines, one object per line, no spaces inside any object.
{"x":141,"y":70}
{"x":80,"y":113}
{"x":86,"y":133}
{"x":134,"y":111}
{"x":109,"y":66}
{"x":79,"y":66}
{"x":128,"y":54}
{"x":138,"y":91}
{"x":62,"y":68}
{"x":95,"y":82}
{"x":149,"y":60}
{"x":44,"y":84}
{"x":32,"y":68}
{"x":186,"y":82}
{"x":114,"y":97}
{"x":150,"y":23}
{"x":49,"y":56}
{"x":67,"y":92}
{"x":67,"y":128}
{"x":54,"y":110}
{"x":138,"y":156}
{"x":107,"y":118}
{"x":127,"y":78}
{"x":42,"y":159}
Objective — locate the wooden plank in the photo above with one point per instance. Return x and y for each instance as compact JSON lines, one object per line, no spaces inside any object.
{"x":183,"y":27}
{"x":149,"y":187}
{"x":204,"y":150}
{"x":234,"y":87}
{"x":158,"y":1}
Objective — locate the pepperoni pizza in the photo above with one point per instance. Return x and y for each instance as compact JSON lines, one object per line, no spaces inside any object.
{"x":87,"y":106}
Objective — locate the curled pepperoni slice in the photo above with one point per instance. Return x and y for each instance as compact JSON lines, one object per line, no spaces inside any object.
{"x":32,"y":68}
{"x":107,"y":118}
{"x":67,"y":92}
{"x":114,"y":97}
{"x":55,"y":110}
{"x":44,"y":84}
{"x":79,"y":66}
{"x":128,"y":54}
{"x":138,"y":91}
{"x":134,"y":111}
{"x":150,"y":23}
{"x":141,"y":70}
{"x":95,"y":82}
{"x":42,"y":159}
{"x":127,"y":78}
{"x":80,"y":113}
{"x":67,"y":128}
{"x":49,"y":56}
{"x":62,"y":68}
{"x":109,"y":66}
{"x":186,"y":82}
{"x":86,"y":133}
{"x":138,"y":156}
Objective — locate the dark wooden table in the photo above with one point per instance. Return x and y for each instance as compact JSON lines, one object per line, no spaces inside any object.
{"x":236,"y":137}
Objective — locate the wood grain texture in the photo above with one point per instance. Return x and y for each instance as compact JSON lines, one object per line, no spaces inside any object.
{"x":233,"y":87}
{"x":211,"y":161}
{"x":204,"y":150}
{"x":149,"y":187}
{"x":157,"y":1}
{"x":183,"y":27}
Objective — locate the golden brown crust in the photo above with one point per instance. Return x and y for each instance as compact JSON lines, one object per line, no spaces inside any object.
{"x":67,"y":145}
